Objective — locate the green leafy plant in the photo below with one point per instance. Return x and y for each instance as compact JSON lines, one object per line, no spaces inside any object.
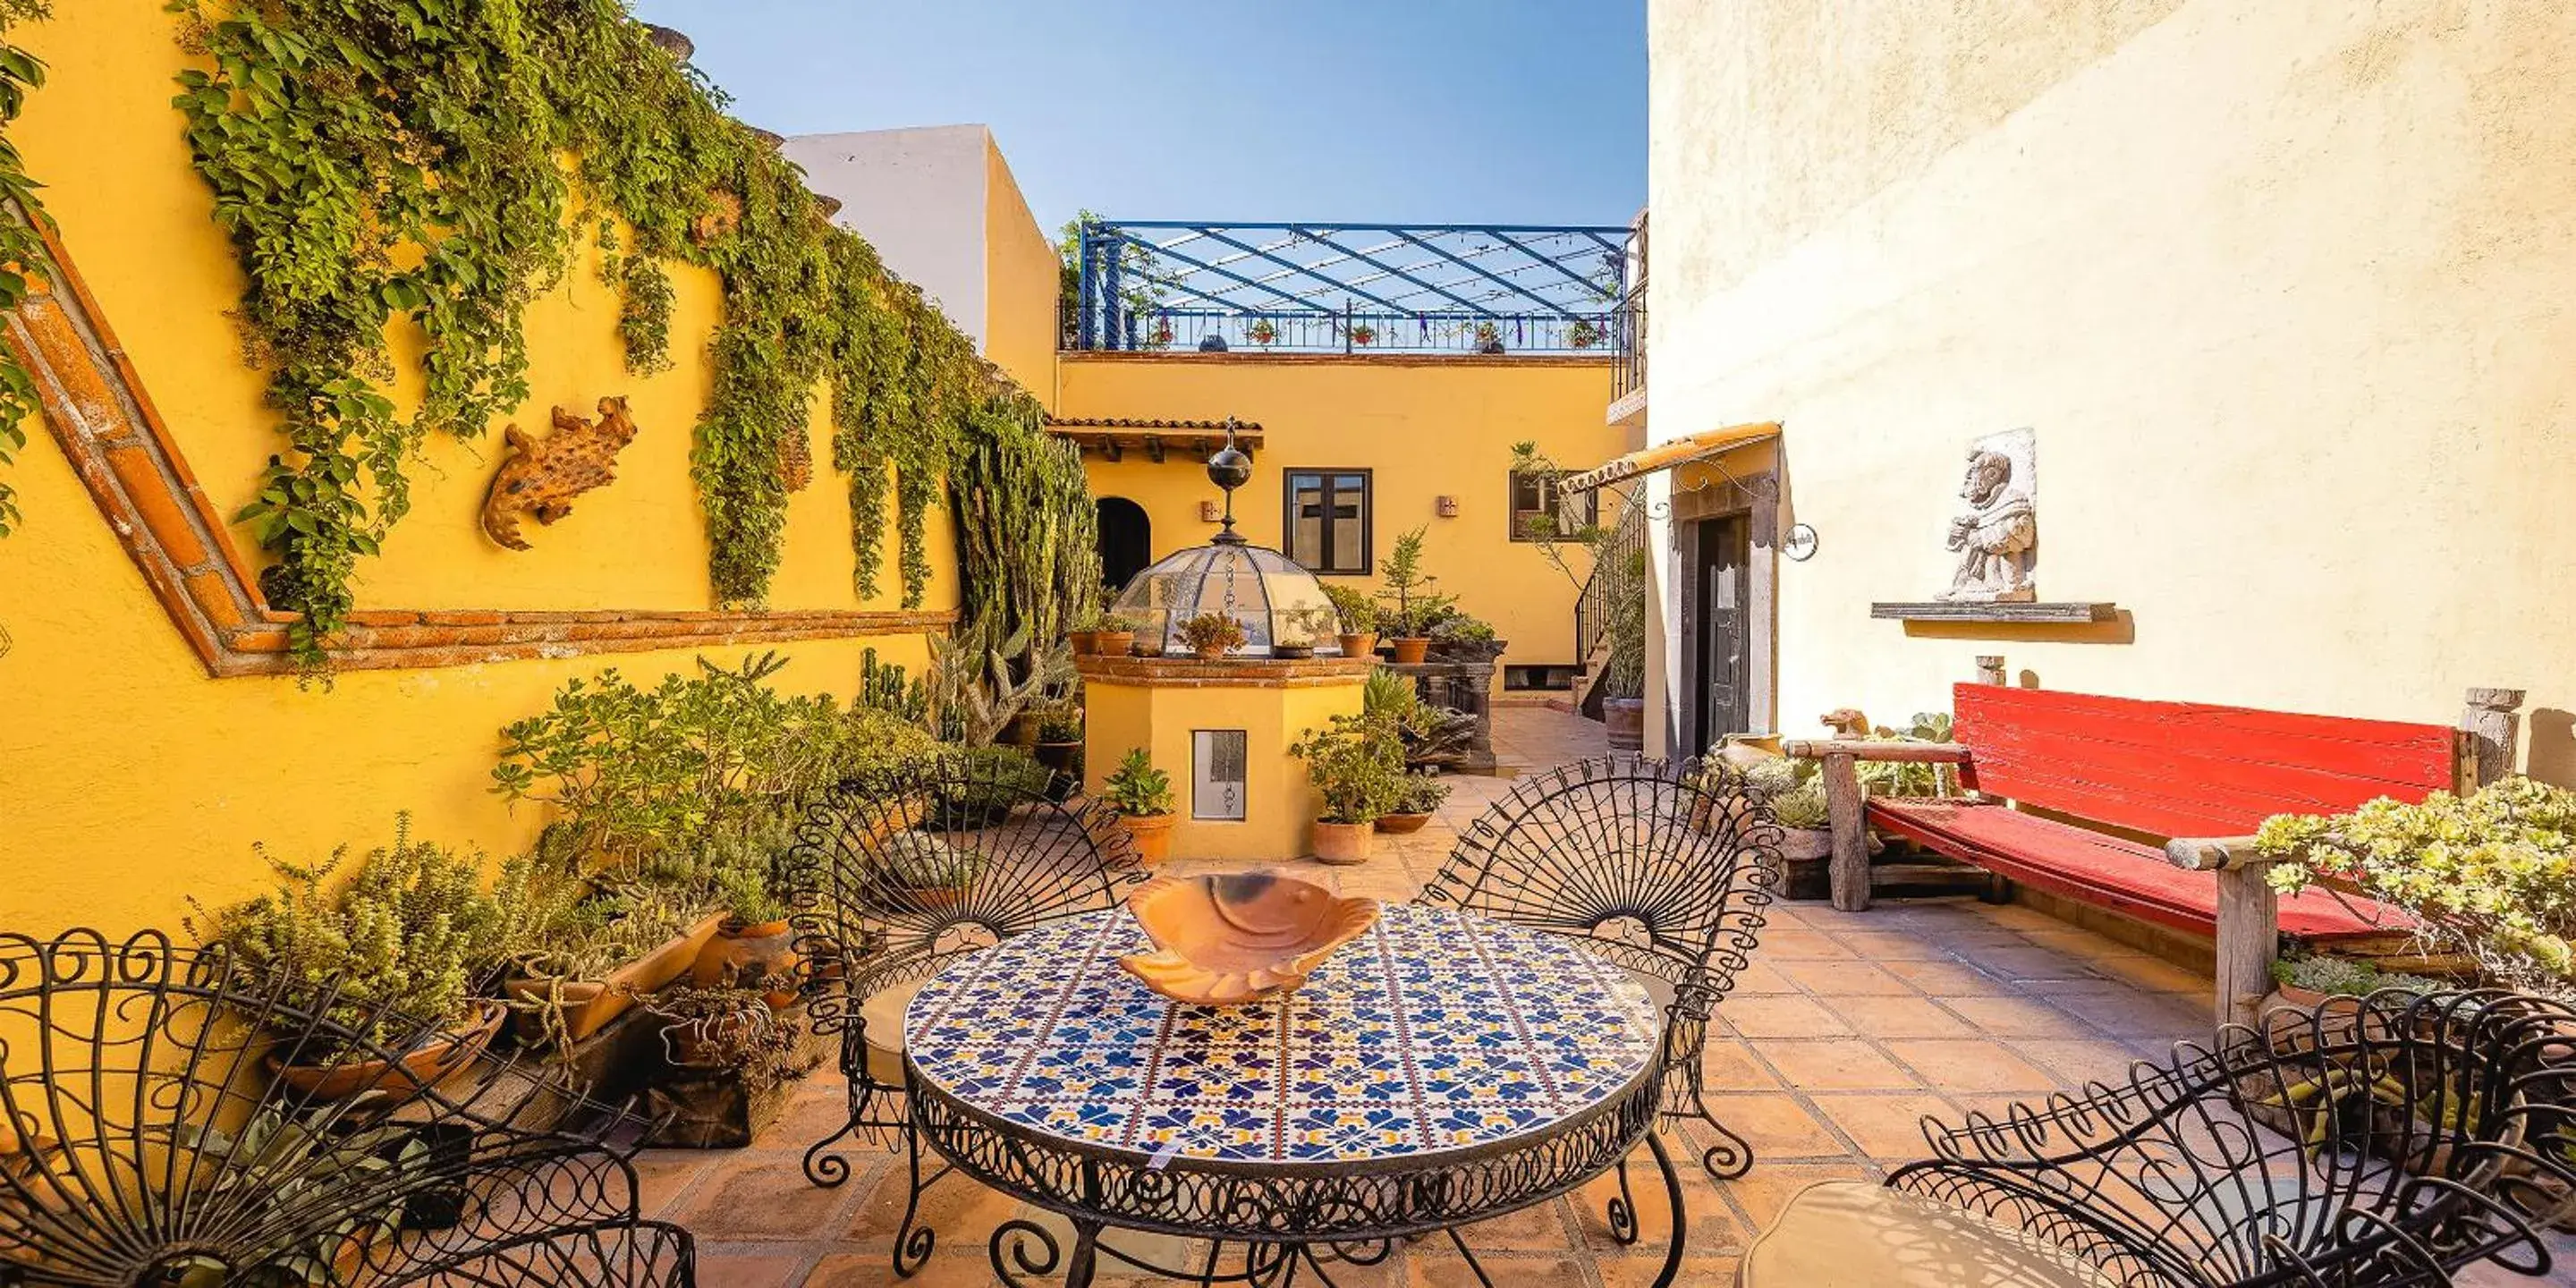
{"x":1356,"y":763}
{"x":1060,"y":722}
{"x":877,"y":744}
{"x":637,"y":772}
{"x":1584,"y":334}
{"x":921,"y":861}
{"x":1408,"y":589}
{"x":1794,"y":787}
{"x":1459,"y":627}
{"x":2492,"y":874}
{"x":1358,"y":611}
{"x":1911,"y":778}
{"x":2345,"y":976}
{"x":399,"y":938}
{"x":1420,"y":793}
{"x":984,"y":784}
{"x":1136,"y":788}
{"x":22,"y":245}
{"x":980,"y":681}
{"x":1212,"y":632}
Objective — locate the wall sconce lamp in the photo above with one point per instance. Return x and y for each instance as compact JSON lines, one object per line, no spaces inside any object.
{"x":1208,"y":512}
{"x":1448,"y":507}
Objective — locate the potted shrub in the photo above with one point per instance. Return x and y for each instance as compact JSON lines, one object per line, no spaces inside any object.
{"x":1300,"y":628}
{"x":1463,"y":637}
{"x":1415,"y":799}
{"x":1358,"y":619}
{"x":1583,"y":334}
{"x":1114,"y":636}
{"x":1363,"y":335}
{"x":988,"y":784}
{"x":1489,"y":338}
{"x":1262,"y":332}
{"x":1356,"y":763}
{"x":396,"y":945}
{"x":753,"y":947}
{"x":1408,"y":589}
{"x":1142,"y":795}
{"x":1623,"y":681}
{"x":1085,"y":638}
{"x":923,"y":871}
{"x":1210,"y":634}
{"x":1060,"y":741}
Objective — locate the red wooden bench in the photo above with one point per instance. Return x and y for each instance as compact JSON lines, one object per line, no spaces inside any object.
{"x":2131,"y":770}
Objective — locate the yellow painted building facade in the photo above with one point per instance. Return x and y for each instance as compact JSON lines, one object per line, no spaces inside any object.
{"x":2281,"y":289}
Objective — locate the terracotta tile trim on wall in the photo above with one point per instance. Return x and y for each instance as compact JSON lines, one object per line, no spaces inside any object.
{"x":97,"y":409}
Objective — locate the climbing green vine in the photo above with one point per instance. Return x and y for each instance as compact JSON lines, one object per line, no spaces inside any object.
{"x":22,"y":248}
{"x":396,"y":162}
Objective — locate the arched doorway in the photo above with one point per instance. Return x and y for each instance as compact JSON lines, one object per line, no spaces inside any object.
{"x":1126,"y":540}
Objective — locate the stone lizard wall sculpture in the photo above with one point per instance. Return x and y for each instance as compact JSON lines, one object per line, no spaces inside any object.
{"x":542,"y":477}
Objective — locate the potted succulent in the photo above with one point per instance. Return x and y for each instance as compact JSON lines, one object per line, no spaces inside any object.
{"x":1358,"y":615}
{"x":1113,"y":635}
{"x":1300,"y":629}
{"x":391,"y":954}
{"x":1210,"y":634}
{"x":1085,"y":638}
{"x":988,"y":784}
{"x":917,"y":870}
{"x":2306,"y":982}
{"x":1262,"y":332}
{"x":1463,"y":637}
{"x":601,"y":953}
{"x":1142,"y":795}
{"x":753,"y":947}
{"x":1408,"y":589}
{"x":1415,"y":799}
{"x":1060,"y":741}
{"x":1356,"y":763}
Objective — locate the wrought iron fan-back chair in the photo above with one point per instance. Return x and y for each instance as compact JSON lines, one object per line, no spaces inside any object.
{"x":900,"y":874}
{"x":2384,"y":1141}
{"x":168,"y":1116}
{"x":1662,"y":867}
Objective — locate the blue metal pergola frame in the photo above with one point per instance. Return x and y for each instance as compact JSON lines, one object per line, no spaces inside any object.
{"x":1342,"y":276}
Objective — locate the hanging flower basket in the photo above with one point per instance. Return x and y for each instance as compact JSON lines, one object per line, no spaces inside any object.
{"x":1363,"y":335}
{"x":1262,"y":332}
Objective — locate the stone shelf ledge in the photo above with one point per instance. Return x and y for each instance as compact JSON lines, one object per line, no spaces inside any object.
{"x":1942,"y":611}
{"x":1231,"y":672}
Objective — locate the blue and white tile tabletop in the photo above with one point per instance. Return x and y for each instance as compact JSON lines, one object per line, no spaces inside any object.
{"x":1437,"y":1031}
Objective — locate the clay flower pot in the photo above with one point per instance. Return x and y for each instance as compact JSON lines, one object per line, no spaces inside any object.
{"x":1209,"y":652}
{"x":1362,"y":644}
{"x":421,"y":1067}
{"x":1400,"y":824}
{"x":1085,"y":643}
{"x":1151,"y":834}
{"x":751,"y":954}
{"x":588,"y":1004}
{"x":1292,"y":652}
{"x":1226,"y":940}
{"x":1342,"y":842}
{"x":1113,"y":643}
{"x":1411,"y":649}
{"x":1624,"y":719}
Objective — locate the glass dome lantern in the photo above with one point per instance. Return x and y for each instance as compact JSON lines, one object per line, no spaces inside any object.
{"x":1276,"y":601}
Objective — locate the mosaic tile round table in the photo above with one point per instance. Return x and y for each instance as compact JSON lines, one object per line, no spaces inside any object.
{"x":1439,"y":1070}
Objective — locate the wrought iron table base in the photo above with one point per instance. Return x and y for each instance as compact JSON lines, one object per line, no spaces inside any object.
{"x":1021,"y":1248}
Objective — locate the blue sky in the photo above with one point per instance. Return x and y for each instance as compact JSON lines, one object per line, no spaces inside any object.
{"x":1421,"y":111}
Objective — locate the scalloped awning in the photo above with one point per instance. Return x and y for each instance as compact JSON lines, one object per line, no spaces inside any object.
{"x":1664,"y":456}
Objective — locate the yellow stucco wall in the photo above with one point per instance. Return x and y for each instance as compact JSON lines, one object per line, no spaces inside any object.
{"x":134,"y":779}
{"x":1022,"y":278}
{"x":1427,"y":428}
{"x":2283,"y":289}
{"x":1279,"y":800}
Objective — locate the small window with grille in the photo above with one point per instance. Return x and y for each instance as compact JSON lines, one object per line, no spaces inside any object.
{"x":1216,"y":774}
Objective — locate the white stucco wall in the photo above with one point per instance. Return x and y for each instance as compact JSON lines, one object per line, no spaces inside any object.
{"x":918,"y":196}
{"x":2288,"y":291}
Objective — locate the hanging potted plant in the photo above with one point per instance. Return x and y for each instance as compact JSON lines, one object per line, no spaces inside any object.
{"x":1415,"y":799}
{"x":1583,"y":334}
{"x":1363,"y":335}
{"x":1210,"y":634}
{"x":392,"y":952}
{"x":1489,"y":338}
{"x":1262,"y":332}
{"x":1161,"y":337}
{"x":1142,"y":795}
{"x":1356,"y":764}
{"x":1358,"y":619}
{"x":1408,"y":589}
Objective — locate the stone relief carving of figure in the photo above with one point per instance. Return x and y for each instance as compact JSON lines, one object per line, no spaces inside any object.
{"x":1995,"y":536}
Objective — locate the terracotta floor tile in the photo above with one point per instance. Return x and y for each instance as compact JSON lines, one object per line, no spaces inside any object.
{"x":1787,"y":1016}
{"x":1791,"y":944}
{"x":1898,"y":1017}
{"x":1945,"y":978}
{"x":1886,"y":1127}
{"x":2019,"y":1017}
{"x":1639,"y":1270}
{"x":1538,"y":1228}
{"x":1759,"y":976}
{"x":1768,"y":1187}
{"x":2156,"y":973}
{"x":958,"y":1210}
{"x":2029,"y":963}
{"x":2078,"y":1061}
{"x":1835,"y":1064}
{"x":2134,"y":1013}
{"x":1844,"y":979}
{"x":765,"y":1270}
{"x":1712,"y":1222}
{"x":1728,"y":1065}
{"x":2075,"y":941}
{"x":1775,"y":1126}
{"x":1434,"y":1264}
{"x":662,"y":1176}
{"x":1971,"y":1065}
{"x":760,"y":1203}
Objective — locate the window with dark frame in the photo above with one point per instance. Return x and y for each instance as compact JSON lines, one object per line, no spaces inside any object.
{"x":1534,"y":495}
{"x":1327,"y":522}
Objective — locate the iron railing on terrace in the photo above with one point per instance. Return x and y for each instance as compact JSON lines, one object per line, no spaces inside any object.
{"x":1618,"y":565}
{"x":1348,"y":288}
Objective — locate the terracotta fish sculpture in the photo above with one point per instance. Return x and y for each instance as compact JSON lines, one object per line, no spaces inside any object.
{"x":1227,"y":940}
